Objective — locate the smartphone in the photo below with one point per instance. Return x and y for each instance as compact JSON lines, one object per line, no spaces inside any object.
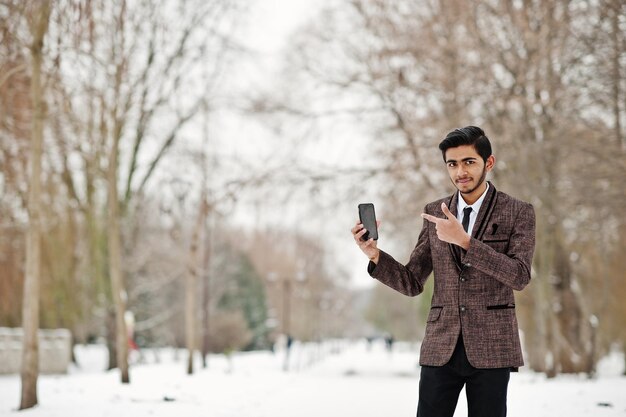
{"x":368,"y":219}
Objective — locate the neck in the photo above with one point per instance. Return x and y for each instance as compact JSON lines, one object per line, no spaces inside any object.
{"x":471,"y":197}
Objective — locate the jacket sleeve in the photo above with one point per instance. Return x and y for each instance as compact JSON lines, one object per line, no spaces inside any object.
{"x":407,"y":279}
{"x":513,"y":267}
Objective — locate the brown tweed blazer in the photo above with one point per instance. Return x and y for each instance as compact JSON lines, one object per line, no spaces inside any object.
{"x":473,"y":292}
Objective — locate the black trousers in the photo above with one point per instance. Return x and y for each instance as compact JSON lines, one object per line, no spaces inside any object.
{"x":440,"y":386}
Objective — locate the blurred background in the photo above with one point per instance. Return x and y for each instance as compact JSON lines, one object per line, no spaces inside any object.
{"x":186,"y":172}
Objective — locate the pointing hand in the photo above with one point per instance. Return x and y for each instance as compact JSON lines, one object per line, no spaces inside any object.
{"x":450,"y":229}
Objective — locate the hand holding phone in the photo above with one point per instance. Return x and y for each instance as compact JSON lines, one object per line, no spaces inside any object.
{"x":367,"y":216}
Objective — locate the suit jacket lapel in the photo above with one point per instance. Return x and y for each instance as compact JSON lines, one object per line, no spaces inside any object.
{"x":455,"y":250}
{"x":484,"y":213}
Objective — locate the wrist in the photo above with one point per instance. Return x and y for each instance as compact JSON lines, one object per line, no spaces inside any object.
{"x":465,"y":242}
{"x":375,"y":257}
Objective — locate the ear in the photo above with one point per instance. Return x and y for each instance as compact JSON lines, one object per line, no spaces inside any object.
{"x":491,"y":161}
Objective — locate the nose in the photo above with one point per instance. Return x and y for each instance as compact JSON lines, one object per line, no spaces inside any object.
{"x":461,"y":170}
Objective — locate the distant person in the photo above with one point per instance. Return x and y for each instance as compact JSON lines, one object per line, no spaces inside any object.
{"x":389,"y":342}
{"x":288,"y":345}
{"x":479,"y":242}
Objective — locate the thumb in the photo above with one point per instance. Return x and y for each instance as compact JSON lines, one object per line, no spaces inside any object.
{"x":447,"y":212}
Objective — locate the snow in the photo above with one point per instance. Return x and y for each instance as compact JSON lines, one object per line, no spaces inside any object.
{"x":338,"y":378}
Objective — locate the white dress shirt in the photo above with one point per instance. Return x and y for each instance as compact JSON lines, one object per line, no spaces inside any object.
{"x":475,"y":207}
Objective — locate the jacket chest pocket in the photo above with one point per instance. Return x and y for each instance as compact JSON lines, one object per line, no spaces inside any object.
{"x":499,"y":242}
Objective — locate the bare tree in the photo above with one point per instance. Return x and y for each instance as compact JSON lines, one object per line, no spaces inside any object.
{"x":118,"y":288}
{"x":522,"y":70}
{"x":538,"y":97}
{"x":15,"y":135}
{"x":30,"y":316}
{"x":127,"y":99}
{"x":127,"y":81}
{"x":192,"y":279}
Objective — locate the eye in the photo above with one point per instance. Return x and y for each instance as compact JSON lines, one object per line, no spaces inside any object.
{"x":451,"y":164}
{"x":469,"y":162}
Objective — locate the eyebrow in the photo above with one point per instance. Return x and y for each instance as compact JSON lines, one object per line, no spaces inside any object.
{"x":471,"y":158}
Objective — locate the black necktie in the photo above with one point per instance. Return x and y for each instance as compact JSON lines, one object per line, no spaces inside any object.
{"x":466,"y":217}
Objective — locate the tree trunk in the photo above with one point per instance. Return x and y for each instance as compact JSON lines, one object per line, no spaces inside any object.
{"x":190,"y":305}
{"x":115,"y":263}
{"x":206,"y":297}
{"x":30,"y":311}
{"x":616,"y":73}
{"x":111,"y":338}
{"x":192,"y":284}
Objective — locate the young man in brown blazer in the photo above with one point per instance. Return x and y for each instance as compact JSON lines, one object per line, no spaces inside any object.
{"x":479,"y":243}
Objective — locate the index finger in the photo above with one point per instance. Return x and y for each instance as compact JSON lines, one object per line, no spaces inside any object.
{"x":430,"y":218}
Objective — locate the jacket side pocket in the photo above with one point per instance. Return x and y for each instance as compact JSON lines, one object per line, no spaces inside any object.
{"x":434,"y":314}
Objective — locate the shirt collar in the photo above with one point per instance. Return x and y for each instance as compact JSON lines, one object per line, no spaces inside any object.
{"x":476,"y":206}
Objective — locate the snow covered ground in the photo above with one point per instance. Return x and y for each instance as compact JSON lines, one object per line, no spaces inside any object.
{"x":338,"y":379}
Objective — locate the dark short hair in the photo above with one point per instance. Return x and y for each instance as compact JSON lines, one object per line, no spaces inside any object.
{"x":469,"y":135}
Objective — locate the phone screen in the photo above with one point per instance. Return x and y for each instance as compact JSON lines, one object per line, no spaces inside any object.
{"x":368,"y":218}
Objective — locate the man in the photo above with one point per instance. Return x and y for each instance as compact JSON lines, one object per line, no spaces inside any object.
{"x":479,"y":243}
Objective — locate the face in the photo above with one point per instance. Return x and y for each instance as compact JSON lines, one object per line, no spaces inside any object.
{"x":467,"y":170}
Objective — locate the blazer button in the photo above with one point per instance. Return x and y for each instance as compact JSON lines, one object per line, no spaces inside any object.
{"x":463,"y":279}
{"x":463,"y":309}
{"x":468,"y":264}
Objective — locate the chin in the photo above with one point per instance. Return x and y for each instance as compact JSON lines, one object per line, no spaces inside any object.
{"x":464,"y":188}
